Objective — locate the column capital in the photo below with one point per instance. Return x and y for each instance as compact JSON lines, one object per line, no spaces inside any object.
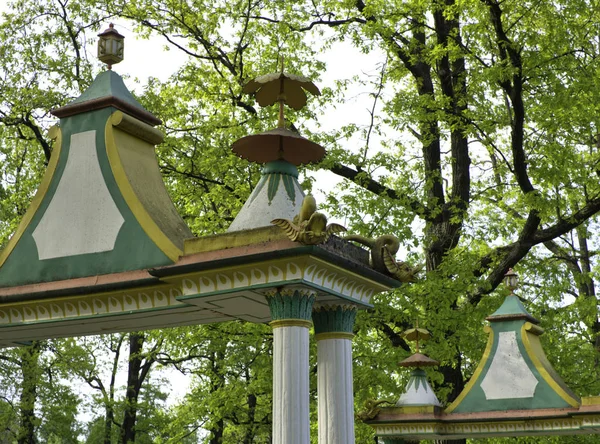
{"x":291,"y":304}
{"x":334,"y":321}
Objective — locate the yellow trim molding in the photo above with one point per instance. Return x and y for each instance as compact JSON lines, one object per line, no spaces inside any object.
{"x":54,"y":134}
{"x":530,"y":335}
{"x":290,"y":323}
{"x":590,"y":400}
{"x":137,"y":208}
{"x":333,"y":335}
{"x":478,"y":370}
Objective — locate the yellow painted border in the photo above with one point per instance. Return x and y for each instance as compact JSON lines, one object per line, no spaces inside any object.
{"x":144,"y":219}
{"x":590,"y":400}
{"x":415,"y":409}
{"x":333,"y":335}
{"x":530,"y":336}
{"x":478,"y":370}
{"x":54,"y":134}
{"x":290,"y":323}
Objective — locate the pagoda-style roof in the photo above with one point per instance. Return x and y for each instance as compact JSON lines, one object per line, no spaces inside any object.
{"x":514,"y":392}
{"x":107,"y":89}
{"x":102,"y":248}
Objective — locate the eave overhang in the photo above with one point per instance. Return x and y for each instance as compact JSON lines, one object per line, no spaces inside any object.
{"x":429,"y":422}
{"x":209,"y":283}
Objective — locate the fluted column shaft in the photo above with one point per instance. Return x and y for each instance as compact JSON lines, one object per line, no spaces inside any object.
{"x":333,"y":332}
{"x":290,"y":311}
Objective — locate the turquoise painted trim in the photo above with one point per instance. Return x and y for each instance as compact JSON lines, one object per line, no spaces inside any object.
{"x":417,"y":379}
{"x":280,"y":166}
{"x":296,"y":305}
{"x":317,"y":288}
{"x":334,"y":319}
{"x":273,"y":173}
{"x":288,"y":184}
{"x":259,"y":186}
{"x":274,"y":180}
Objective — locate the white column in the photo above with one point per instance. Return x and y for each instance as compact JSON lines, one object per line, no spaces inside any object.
{"x":333,"y":332}
{"x":290,"y":311}
{"x":334,"y":388}
{"x":291,"y":422}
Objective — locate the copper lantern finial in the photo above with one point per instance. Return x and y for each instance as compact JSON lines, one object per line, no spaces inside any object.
{"x":511,"y":280}
{"x":110,"y":46}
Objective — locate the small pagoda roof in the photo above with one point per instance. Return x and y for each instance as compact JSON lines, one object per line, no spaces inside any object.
{"x":107,"y":90}
{"x":277,"y":195}
{"x":511,"y":308}
{"x":103,"y":249}
{"x":514,"y":391}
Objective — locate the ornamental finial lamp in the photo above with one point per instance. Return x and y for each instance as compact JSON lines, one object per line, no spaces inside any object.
{"x":511,"y":280}
{"x":110,"y":46}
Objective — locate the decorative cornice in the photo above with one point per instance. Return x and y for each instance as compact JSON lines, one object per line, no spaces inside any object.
{"x":448,"y":427}
{"x":334,"y":319}
{"x":290,"y":304}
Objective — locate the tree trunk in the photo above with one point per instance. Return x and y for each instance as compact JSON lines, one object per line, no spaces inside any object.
{"x":216,"y":382}
{"x":108,"y":422}
{"x":251,"y":401}
{"x":217,"y":432}
{"x":30,"y":369}
{"x":136,"y":343}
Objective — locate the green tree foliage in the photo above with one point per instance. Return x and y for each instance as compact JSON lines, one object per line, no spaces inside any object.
{"x":230,"y":394}
{"x":37,"y":402}
{"x":479,"y":149}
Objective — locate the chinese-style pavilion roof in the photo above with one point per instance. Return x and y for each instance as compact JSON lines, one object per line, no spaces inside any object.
{"x":102,"y":247}
{"x":514,"y":392}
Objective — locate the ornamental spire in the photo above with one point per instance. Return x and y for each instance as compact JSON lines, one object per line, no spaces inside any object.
{"x":418,"y":390}
{"x":280,"y":143}
{"x":278,"y":195}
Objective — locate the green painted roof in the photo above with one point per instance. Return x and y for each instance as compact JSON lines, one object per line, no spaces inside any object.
{"x":102,"y":206}
{"x":514,"y":373}
{"x":512,"y":307}
{"x":108,"y":84}
{"x":107,"y":90}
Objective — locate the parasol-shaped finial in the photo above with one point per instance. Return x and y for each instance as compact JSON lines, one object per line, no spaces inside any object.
{"x":283,"y":88}
{"x":418,"y":359}
{"x":415,"y":334}
{"x":280,"y":143}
